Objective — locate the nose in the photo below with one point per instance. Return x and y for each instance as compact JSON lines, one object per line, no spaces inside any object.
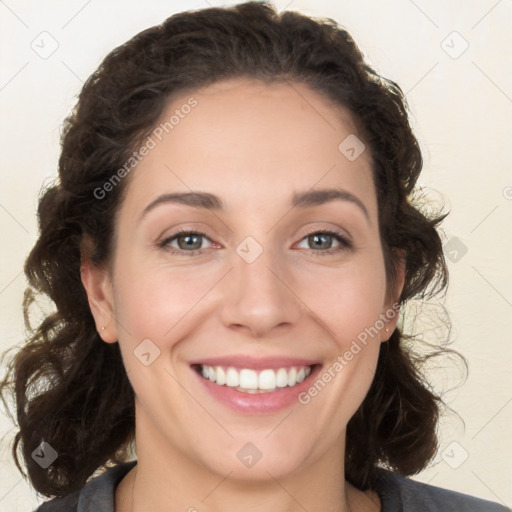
{"x":258,"y":296}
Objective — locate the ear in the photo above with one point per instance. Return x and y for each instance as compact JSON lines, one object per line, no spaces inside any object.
{"x":391,"y":309}
{"x":98,"y":286}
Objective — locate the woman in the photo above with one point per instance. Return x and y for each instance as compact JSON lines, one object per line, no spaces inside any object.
{"x":228,"y":247}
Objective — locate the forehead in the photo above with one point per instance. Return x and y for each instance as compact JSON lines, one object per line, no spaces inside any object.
{"x":252,"y":143}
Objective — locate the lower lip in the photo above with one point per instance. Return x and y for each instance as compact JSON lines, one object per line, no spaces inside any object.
{"x":258,"y":403}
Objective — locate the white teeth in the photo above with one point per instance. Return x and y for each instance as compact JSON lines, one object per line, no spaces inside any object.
{"x":292,"y":377}
{"x":267,"y":379}
{"x":282,"y":378}
{"x":221,"y":376}
{"x":251,"y":381}
{"x":248,"y":379}
{"x":232,"y":378}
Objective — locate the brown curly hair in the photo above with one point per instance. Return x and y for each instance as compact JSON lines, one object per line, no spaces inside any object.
{"x":70,"y":388}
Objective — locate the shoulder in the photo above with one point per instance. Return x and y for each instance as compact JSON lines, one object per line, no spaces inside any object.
{"x":400,"y":493}
{"x":97,"y":494}
{"x":63,"y":504}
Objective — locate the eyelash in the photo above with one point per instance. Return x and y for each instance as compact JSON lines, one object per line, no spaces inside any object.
{"x":345,"y":244}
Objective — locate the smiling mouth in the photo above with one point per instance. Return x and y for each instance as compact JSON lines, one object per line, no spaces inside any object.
{"x":252,"y":381}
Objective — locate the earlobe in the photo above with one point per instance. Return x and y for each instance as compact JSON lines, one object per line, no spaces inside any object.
{"x":98,"y":287}
{"x":390,"y":319}
{"x":392,"y":310}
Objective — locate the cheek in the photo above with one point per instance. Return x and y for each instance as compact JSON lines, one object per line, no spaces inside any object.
{"x":155,"y":301}
{"x":348,"y":299}
{"x":351,"y":311}
{"x":349,"y":304}
{"x":154,"y":311}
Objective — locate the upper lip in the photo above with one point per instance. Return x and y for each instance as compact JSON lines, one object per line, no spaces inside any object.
{"x":254,"y":363}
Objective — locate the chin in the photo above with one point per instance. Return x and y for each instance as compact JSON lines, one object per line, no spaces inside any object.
{"x":257,"y":457}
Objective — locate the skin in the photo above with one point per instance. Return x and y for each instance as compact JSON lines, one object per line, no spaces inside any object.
{"x":253,"y":145}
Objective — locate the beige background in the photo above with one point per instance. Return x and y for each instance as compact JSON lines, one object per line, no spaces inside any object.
{"x":461,"y":106}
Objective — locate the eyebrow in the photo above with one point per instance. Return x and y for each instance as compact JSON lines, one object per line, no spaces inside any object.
{"x":207,"y":201}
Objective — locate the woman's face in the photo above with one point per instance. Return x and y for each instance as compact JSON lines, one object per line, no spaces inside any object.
{"x":252,"y":288}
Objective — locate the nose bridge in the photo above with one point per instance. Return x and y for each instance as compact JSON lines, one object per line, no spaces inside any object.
{"x":257,"y":295}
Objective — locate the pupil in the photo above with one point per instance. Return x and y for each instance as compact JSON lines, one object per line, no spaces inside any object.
{"x":188,"y":238}
{"x":318,"y":236}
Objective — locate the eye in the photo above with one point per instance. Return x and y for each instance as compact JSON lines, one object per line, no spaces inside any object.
{"x":322,"y":239}
{"x":186,"y":240}
{"x":190,"y":243}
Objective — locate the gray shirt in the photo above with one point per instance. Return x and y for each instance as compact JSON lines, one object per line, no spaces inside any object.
{"x":397,"y":494}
